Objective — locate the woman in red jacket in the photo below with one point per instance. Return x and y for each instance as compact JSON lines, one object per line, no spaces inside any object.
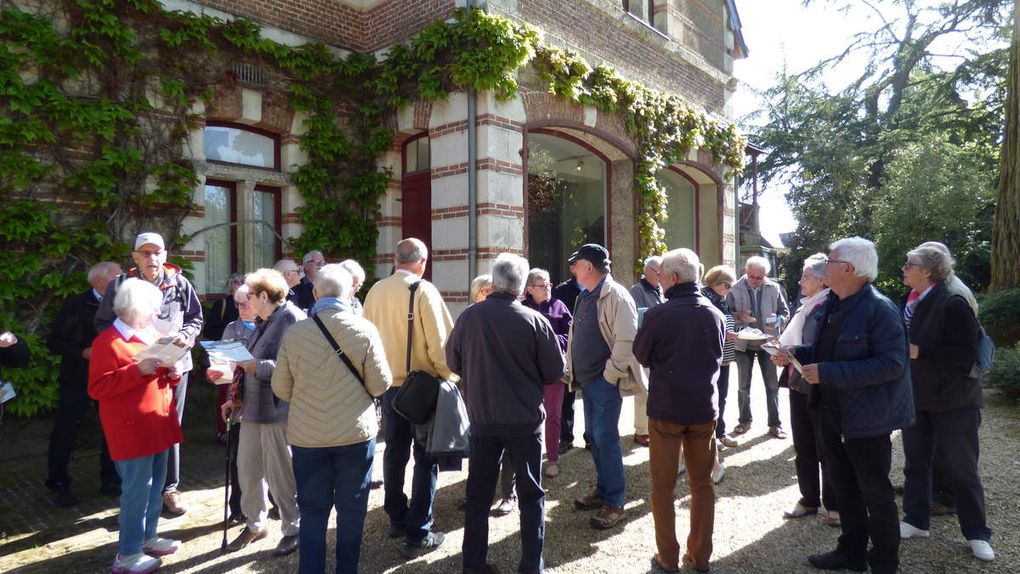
{"x":139,"y":420}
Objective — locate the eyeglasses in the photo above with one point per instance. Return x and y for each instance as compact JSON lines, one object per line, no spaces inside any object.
{"x":828,"y":261}
{"x":756,"y":277}
{"x":146,"y":253}
{"x":653,"y":270}
{"x":543,"y":285}
{"x":317,"y":262}
{"x":298,"y":271}
{"x":726,"y":285}
{"x":251,"y":294}
{"x":237,"y":281}
{"x":240,"y":304}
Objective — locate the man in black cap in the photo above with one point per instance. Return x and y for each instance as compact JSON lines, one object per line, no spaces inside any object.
{"x":600,"y":361}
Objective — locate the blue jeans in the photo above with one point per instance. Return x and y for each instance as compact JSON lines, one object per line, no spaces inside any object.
{"x":954,"y":432}
{"x":141,"y":499}
{"x":399,"y":433}
{"x":602,"y":403}
{"x":333,"y":477}
{"x":173,"y":461}
{"x":524,"y":453}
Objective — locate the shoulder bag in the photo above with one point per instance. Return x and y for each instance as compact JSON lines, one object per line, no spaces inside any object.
{"x":415,"y":400}
{"x":340,"y":353}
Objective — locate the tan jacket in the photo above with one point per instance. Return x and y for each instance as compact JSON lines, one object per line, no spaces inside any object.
{"x":328,"y":406}
{"x":618,"y":325}
{"x":386,"y":308}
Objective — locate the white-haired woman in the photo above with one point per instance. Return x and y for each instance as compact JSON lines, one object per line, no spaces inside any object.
{"x":139,"y":420}
{"x":944,"y":338}
{"x":263,"y":455}
{"x":803,"y":330}
{"x":357,"y":273}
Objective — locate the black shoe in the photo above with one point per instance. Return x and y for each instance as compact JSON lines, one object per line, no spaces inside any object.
{"x":431,"y":541}
{"x":64,"y":498}
{"x":274,"y":513}
{"x":566,"y":447}
{"x":375,"y":484}
{"x":287,"y":545}
{"x":110,"y":489}
{"x":55,"y":485}
{"x":487,"y":569}
{"x":237,"y":517}
{"x":836,"y":561}
{"x":395,"y":531}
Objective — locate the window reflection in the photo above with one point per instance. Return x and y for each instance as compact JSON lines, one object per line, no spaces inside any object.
{"x":681,"y":223}
{"x":218,"y":244}
{"x":235,"y":145}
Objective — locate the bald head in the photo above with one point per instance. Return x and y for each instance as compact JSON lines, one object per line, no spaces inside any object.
{"x":411,"y":255}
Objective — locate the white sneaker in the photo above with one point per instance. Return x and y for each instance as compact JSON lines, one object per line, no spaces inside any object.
{"x":908,"y":530}
{"x":160,"y":546}
{"x":140,"y":563}
{"x":982,"y":550}
{"x":718,"y":475}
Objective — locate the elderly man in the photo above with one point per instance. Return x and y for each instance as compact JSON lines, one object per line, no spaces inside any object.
{"x":757,"y":302}
{"x":292,"y":275}
{"x":386,"y":307}
{"x":71,"y":338}
{"x":683,"y":406}
{"x":600,"y":361}
{"x":311,"y":262}
{"x":647,"y":293}
{"x":505,"y":353}
{"x":180,"y":316}
{"x":858,"y":374}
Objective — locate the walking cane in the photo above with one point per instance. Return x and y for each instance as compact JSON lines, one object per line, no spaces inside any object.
{"x":226,"y":483}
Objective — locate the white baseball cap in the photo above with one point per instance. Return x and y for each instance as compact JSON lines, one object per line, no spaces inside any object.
{"x":149,"y":238}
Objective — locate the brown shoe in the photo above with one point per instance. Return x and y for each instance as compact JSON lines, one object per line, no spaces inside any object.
{"x":608,"y":517}
{"x":728,"y":442}
{"x":689,"y":563}
{"x":287,"y":545}
{"x":589,"y":502}
{"x":741,"y":428}
{"x":172,"y":503}
{"x":245,"y":538}
{"x":551,"y":470}
{"x":641,"y":439}
{"x":777,"y":432}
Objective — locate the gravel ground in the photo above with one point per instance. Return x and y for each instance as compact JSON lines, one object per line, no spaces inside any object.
{"x":750,"y":533}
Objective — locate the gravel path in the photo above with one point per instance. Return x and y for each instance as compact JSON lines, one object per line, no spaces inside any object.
{"x":750,"y":533}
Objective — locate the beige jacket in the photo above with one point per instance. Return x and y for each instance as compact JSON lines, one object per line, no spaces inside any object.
{"x":328,"y":406}
{"x":386,"y":308}
{"x":618,"y":325}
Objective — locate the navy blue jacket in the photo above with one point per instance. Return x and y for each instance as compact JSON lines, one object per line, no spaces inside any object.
{"x":870,"y":374}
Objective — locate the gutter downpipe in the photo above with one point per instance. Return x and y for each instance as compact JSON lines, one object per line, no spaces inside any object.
{"x":472,"y":174}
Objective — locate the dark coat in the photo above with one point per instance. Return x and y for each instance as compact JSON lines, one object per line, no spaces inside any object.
{"x":304,"y":297}
{"x":947,"y":335}
{"x":870,"y":374}
{"x":16,"y":356}
{"x":73,"y":331}
{"x":681,"y":343}
{"x":223,"y":313}
{"x":504,"y":352}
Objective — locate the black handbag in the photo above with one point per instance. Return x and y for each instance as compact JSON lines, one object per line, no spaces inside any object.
{"x":340,"y":353}
{"x":416,"y":398}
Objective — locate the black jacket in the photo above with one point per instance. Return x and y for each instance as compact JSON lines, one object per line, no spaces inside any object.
{"x":947,"y":334}
{"x":305,"y":299}
{"x":223,"y":313}
{"x":504,"y":352}
{"x":16,"y":356}
{"x":72,"y":333}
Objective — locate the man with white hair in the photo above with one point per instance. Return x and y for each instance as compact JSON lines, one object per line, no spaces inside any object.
{"x":681,"y":343}
{"x":647,"y":293}
{"x":505,"y":354}
{"x":757,"y":302}
{"x":311,"y":262}
{"x":292,"y":275}
{"x":180,"y":316}
{"x":858,"y":372}
{"x":71,"y":338}
{"x":386,"y":306}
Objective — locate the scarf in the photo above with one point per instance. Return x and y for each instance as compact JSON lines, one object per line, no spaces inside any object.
{"x":323,"y":303}
{"x":793,"y":335}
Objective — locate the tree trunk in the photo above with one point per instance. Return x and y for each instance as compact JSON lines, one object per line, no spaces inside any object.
{"x":1006,"y":229}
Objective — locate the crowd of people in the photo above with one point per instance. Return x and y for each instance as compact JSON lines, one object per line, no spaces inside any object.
{"x":326,"y":376}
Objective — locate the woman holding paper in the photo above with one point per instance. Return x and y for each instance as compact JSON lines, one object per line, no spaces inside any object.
{"x":263,"y":455}
{"x":803,"y":329}
{"x":139,"y":421}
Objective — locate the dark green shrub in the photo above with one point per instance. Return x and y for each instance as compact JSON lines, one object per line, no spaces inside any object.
{"x":1000,"y":316}
{"x":1004,"y":375}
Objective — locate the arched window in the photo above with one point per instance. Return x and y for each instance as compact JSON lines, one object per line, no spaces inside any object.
{"x":241,"y":145}
{"x":681,"y":225}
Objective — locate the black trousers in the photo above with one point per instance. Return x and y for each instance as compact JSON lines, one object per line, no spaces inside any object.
{"x":71,"y":411}
{"x":235,"y":484}
{"x":859,"y":469}
{"x":525,"y":452}
{"x":809,"y":460}
{"x":567,"y":417}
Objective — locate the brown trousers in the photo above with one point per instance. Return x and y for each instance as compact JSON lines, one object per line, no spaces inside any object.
{"x":698,"y":443}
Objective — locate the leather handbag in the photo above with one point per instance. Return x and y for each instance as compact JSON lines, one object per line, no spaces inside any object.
{"x":415,"y":400}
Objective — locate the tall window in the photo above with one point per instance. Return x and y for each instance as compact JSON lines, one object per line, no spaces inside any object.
{"x":219,"y":236}
{"x":681,"y":209}
{"x":267,"y":247}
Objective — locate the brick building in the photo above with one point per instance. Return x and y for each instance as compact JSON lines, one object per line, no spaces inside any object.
{"x":535,"y":175}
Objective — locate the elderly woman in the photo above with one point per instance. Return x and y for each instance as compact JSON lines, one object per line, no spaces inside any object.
{"x":357,"y":273}
{"x":803,"y":330}
{"x":717,"y":284}
{"x":539,"y":297}
{"x":481,"y":287}
{"x":262,"y":452}
{"x":332,"y":425}
{"x":223,"y":311}
{"x":944,"y":336}
{"x":139,"y":421}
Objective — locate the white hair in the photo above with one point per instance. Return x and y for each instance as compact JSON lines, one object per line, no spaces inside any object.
{"x":684,"y":263}
{"x":136,"y":298}
{"x":860,"y":253}
{"x":241,"y":294}
{"x":102,"y":269}
{"x":653,"y":261}
{"x":759,"y":262}
{"x":815,"y":265}
{"x":510,"y":274}
{"x":309,"y":256}
{"x":355,"y":269}
{"x":334,"y":281}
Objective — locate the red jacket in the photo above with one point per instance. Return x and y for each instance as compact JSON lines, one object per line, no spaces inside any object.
{"x":137,"y":412}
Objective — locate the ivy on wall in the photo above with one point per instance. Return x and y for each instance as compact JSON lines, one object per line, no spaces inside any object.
{"x":97,"y":96}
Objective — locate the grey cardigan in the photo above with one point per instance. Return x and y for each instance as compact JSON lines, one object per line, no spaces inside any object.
{"x":260,"y":405}
{"x":773,"y":301}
